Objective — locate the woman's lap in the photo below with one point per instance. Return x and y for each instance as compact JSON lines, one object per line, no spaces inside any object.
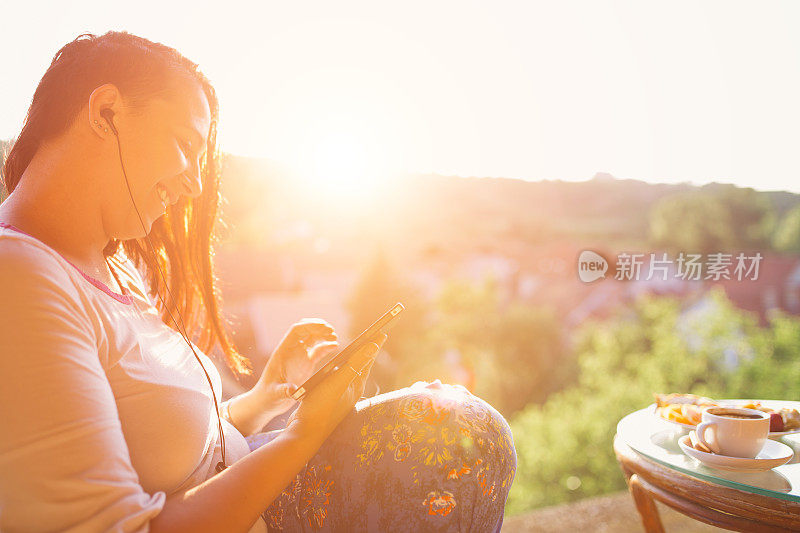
{"x":429,"y":457}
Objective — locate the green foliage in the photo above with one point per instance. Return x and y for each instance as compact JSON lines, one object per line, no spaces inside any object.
{"x":563,"y":435}
{"x":773,"y":372}
{"x":691,"y":223}
{"x":656,"y":346}
{"x":515,"y":349}
{"x":787,"y":234}
{"x":379,"y":287}
{"x":718,"y":217}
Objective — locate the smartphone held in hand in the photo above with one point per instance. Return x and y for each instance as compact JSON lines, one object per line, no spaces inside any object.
{"x":342,"y":358}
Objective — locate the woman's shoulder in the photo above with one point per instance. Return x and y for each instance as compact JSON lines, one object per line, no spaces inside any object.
{"x":22,"y":252}
{"x":38,"y":285}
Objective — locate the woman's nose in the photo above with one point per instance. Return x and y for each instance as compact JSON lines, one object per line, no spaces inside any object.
{"x":191,"y":184}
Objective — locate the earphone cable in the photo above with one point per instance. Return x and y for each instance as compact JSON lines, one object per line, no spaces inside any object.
{"x":181,"y":329}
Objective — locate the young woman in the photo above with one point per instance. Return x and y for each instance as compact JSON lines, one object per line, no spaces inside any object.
{"x":110,"y":416}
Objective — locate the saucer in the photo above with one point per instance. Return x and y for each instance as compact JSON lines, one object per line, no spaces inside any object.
{"x":773,"y":454}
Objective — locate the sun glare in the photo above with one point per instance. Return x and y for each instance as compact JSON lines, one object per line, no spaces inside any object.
{"x":343,"y":165}
{"x":339,"y":161}
{"x":344,"y":133}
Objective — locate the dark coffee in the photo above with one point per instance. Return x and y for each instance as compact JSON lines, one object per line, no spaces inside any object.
{"x":738,"y":415}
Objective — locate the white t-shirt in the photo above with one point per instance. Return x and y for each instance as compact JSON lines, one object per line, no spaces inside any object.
{"x":104,"y":410}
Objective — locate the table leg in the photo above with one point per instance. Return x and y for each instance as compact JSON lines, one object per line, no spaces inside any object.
{"x":645,"y":505}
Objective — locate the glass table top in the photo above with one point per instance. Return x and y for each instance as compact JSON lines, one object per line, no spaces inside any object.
{"x":657,"y":439}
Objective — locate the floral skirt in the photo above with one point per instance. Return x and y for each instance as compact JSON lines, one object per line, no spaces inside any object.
{"x":429,"y":457}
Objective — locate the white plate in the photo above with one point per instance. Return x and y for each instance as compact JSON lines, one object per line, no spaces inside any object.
{"x":772,"y":404}
{"x":654,"y":410}
{"x":774,"y":454}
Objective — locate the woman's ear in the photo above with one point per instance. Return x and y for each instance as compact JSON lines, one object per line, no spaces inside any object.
{"x":101,"y":109}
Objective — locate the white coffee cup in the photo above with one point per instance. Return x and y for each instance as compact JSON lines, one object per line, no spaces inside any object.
{"x":734,"y":431}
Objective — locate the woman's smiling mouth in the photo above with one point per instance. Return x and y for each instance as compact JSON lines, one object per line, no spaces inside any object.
{"x":163,"y":193}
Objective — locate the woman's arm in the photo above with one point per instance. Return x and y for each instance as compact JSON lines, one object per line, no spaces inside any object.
{"x":250,"y":411}
{"x":234,"y":499}
{"x":64,"y":461}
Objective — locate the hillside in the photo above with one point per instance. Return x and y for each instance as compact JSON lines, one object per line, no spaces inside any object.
{"x":432,"y":217}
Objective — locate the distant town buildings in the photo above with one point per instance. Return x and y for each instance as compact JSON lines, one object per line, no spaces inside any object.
{"x":268,"y":293}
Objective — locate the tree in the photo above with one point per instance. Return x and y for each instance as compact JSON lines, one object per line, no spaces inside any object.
{"x":715,"y":218}
{"x":787,"y":234}
{"x":514,"y":349}
{"x":379,"y":287}
{"x":655,"y":347}
{"x":773,"y":372}
{"x":750,"y":214}
{"x":512,"y":354}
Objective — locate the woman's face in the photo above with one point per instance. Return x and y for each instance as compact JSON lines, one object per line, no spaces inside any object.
{"x":162,"y":147}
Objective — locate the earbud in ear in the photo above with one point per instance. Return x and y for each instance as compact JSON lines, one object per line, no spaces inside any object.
{"x":109,"y":116}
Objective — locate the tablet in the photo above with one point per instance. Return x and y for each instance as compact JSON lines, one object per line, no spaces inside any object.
{"x":341,"y":358}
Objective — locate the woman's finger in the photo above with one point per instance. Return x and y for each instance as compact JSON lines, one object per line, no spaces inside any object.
{"x":368,"y":352}
{"x":321,"y":349}
{"x":362,"y":381}
{"x":366,"y":369}
{"x":313,"y":321}
{"x":344,"y":376}
{"x":287,"y":389}
{"x":362,"y":356}
{"x":312,"y":325}
{"x":311,"y":337}
{"x":311,"y":329}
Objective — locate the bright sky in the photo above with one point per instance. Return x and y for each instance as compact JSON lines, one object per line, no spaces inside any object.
{"x":662,"y":91}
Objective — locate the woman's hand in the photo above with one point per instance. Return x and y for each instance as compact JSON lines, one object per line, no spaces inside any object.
{"x":299,"y":354}
{"x":323,"y":407}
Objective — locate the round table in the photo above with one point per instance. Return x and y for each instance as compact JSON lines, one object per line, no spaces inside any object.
{"x":656,"y":469}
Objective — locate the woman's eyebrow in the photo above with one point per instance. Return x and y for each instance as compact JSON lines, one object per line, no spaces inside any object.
{"x":198,"y":136}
